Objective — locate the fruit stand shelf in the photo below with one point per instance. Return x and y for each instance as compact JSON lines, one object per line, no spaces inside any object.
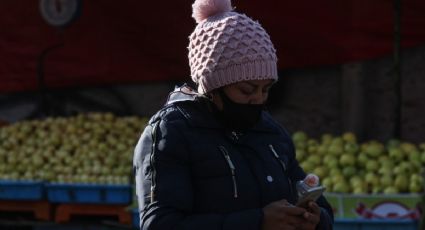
{"x":91,"y":194}
{"x":21,"y":190}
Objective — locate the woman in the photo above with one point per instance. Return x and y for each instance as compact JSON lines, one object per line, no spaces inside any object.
{"x":213,"y":158}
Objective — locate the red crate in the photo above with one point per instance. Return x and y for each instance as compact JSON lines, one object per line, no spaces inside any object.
{"x":40,"y":209}
{"x":64,"y":212}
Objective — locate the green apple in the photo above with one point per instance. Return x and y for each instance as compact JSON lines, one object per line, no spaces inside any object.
{"x":388,"y":163}
{"x":407,"y":147}
{"x":341,"y":187}
{"x":414,"y":166}
{"x":407,"y":167}
{"x":416,"y":177}
{"x":361,"y":173}
{"x":300,"y":154}
{"x":337,"y":178}
{"x":37,"y":160}
{"x":327,"y":182}
{"x":391,"y":190}
{"x":337,"y":141}
{"x":386,"y":181}
{"x":416,"y":184}
{"x":362,"y":159}
{"x":415,"y":187}
{"x":351,"y":147}
{"x":376,"y":189}
{"x":331,"y":163}
{"x":372,"y":179}
{"x":314,"y":159}
{"x":110,"y":161}
{"x":374,"y":149}
{"x":326,"y":139}
{"x":321,"y":171}
{"x":399,"y":169}
{"x":414,"y":156}
{"x":336,"y":149}
{"x":299,"y":136}
{"x":328,"y":157}
{"x":359,"y":190}
{"x":349,"y":137}
{"x":322,"y":149}
{"x":298,"y":145}
{"x":3,"y":152}
{"x":355,"y":180}
{"x":372,"y":166}
{"x":335,"y":172}
{"x":312,"y":142}
{"x":385,"y":171}
{"x":312,"y":149}
{"x":349,"y":171}
{"x":347,"y":159}
{"x":307,"y":166}
{"x":401,"y":183}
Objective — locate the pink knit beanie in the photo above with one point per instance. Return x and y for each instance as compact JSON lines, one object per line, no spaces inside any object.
{"x":227,"y":47}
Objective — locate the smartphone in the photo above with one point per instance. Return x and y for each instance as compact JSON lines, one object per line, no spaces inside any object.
{"x":311,"y":194}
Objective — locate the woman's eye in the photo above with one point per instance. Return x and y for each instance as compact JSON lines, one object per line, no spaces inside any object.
{"x":246,"y":92}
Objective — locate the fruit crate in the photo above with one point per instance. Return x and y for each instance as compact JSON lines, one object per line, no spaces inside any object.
{"x":375,"y":206}
{"x":89,"y":193}
{"x":375,"y":224}
{"x":21,"y":190}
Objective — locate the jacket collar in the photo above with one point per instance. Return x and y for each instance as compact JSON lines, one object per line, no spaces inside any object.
{"x":199,"y":113}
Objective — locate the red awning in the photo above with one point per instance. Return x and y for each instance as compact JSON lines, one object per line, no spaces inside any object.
{"x":126,"y":41}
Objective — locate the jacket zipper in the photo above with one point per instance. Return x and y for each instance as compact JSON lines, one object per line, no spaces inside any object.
{"x":232,"y":169}
{"x":284,"y":168}
{"x":152,"y":160}
{"x":235,"y":136}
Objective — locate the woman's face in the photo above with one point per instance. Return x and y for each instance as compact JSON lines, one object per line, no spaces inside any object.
{"x":246,"y":92}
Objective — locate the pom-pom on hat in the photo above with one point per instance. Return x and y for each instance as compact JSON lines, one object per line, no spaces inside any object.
{"x":228,"y":47}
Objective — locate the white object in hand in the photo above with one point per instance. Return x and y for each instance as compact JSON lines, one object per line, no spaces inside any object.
{"x":312,"y":180}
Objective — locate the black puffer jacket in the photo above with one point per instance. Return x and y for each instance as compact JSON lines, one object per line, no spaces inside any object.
{"x":192,"y":173}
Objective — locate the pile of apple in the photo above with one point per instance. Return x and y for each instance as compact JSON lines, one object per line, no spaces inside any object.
{"x":87,"y":148}
{"x":346,"y":166}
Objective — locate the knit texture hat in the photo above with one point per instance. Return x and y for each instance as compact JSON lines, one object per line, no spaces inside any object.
{"x":228,"y":47}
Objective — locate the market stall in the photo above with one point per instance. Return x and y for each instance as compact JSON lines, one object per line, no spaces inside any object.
{"x":67,"y":164}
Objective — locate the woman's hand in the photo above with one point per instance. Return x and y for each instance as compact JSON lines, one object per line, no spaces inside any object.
{"x":281,"y":215}
{"x":311,"y":217}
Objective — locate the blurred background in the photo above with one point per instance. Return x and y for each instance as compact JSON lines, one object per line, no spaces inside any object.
{"x":79,"y":79}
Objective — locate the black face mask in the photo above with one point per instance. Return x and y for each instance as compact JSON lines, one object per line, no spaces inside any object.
{"x":239,"y":116}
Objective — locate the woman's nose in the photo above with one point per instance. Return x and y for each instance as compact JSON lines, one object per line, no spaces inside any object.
{"x":257,"y":98}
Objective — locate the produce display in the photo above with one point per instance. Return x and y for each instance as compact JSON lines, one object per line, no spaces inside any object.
{"x":93,"y":148}
{"x":97,"y":148}
{"x":346,"y":166}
